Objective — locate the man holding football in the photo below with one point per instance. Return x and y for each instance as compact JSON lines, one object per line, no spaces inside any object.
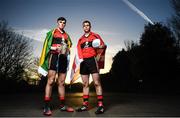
{"x":87,"y":51}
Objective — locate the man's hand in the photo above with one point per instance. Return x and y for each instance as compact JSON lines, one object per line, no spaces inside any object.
{"x":53,"y":48}
{"x":102,"y":46}
{"x":59,"y":48}
{"x":98,"y":57}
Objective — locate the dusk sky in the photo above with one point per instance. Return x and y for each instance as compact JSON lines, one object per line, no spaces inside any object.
{"x":112,"y":19}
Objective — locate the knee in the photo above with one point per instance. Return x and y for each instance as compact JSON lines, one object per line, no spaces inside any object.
{"x":61,"y":83}
{"x":85,"y":85}
{"x":97,"y":84}
{"x":50,"y":81}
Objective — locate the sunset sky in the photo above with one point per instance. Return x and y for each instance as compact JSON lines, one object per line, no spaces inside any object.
{"x":112,"y":19}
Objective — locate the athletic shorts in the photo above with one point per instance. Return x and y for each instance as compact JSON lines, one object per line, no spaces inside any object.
{"x":58,"y":64}
{"x":89,"y":66}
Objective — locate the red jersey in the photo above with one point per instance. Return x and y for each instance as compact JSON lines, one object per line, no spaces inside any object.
{"x":58,"y":34}
{"x":59,"y":38}
{"x":85,"y":49}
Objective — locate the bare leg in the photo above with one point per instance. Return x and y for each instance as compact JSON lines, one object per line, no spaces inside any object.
{"x":61,"y":84}
{"x":50,"y":81}
{"x":97,"y":83}
{"x":61,"y":90}
{"x":85,"y":80}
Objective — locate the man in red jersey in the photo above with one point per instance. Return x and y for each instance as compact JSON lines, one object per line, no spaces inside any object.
{"x":87,"y":54}
{"x":54,"y":58}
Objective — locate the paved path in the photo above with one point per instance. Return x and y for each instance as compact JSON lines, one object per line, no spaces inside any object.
{"x":117,"y":105}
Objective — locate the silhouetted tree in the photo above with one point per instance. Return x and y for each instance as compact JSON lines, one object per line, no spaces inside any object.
{"x":174,"y":23}
{"x":130,"y":44}
{"x":159,"y":57}
{"x":149,"y":65}
{"x":119,"y":76}
{"x":175,"y":19}
{"x":15,"y":55}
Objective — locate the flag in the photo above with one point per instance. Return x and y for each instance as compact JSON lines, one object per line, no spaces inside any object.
{"x":75,"y":71}
{"x":43,"y":63}
{"x":101,"y":57}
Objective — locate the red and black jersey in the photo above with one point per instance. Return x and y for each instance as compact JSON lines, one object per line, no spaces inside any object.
{"x":85,"y":49}
{"x":58,"y":37}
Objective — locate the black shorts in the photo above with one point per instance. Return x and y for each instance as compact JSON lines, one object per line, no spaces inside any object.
{"x":58,"y":65}
{"x":89,"y":66}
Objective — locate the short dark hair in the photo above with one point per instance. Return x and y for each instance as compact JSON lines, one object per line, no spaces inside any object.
{"x":61,"y":18}
{"x":86,"y":21}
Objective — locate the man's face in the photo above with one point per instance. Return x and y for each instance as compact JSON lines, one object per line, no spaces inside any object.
{"x":86,"y":27}
{"x":61,"y":24}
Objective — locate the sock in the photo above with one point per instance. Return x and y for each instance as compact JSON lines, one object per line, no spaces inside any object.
{"x":62,"y":101}
{"x":47,"y":101}
{"x":100,"y":100}
{"x":85,"y":100}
